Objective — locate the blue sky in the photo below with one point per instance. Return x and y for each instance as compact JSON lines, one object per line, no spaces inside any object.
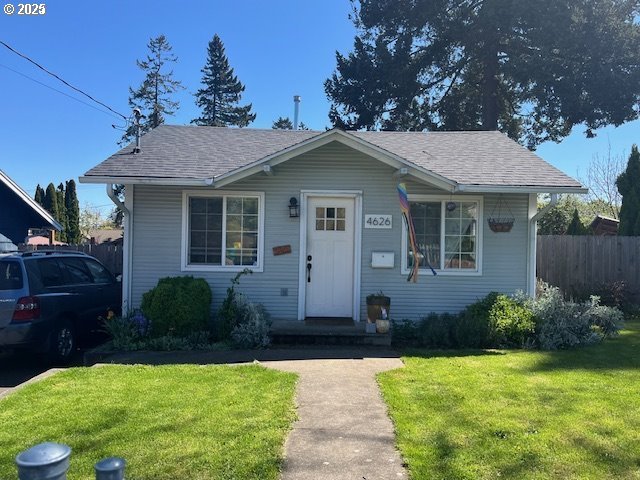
{"x":277,"y":48}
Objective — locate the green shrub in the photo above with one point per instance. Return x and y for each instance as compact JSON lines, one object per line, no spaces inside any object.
{"x":436,"y":331}
{"x":472,"y":328}
{"x":511,"y":324}
{"x":178,"y":306}
{"x":405,"y":333}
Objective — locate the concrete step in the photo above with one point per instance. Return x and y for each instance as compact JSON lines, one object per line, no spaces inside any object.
{"x":325,"y":333}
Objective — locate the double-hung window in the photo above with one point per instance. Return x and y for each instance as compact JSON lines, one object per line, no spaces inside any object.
{"x":222,"y":231}
{"x":448,"y":234}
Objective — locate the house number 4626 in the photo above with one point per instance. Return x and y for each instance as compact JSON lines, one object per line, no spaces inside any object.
{"x":377,"y":221}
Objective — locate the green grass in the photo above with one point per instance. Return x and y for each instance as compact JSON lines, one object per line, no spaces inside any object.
{"x":169,"y":422}
{"x":572,"y":414}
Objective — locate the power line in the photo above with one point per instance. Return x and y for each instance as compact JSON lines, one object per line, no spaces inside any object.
{"x":59,"y":91}
{"x":63,"y":81}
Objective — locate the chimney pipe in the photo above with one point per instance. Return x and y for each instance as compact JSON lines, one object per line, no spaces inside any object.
{"x":137,"y":115}
{"x":296,"y":111}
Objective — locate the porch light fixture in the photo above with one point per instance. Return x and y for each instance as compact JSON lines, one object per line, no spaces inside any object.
{"x":294,"y":209}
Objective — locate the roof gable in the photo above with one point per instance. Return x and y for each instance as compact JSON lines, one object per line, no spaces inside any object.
{"x":461,"y":161}
{"x":30,"y":202}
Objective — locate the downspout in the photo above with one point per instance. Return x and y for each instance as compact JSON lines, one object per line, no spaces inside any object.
{"x":126,"y":247}
{"x":531,"y":266}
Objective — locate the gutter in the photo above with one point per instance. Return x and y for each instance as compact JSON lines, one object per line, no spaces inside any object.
{"x":531,"y":264}
{"x":127,"y":245}
{"x":114,"y":198}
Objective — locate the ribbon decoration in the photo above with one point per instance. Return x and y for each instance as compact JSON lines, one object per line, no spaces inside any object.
{"x":417,"y":255}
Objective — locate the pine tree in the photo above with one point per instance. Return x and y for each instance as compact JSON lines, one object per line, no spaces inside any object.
{"x":72,"y":208}
{"x":532,"y":69}
{"x":39,"y":196}
{"x":154,"y":95}
{"x":221,"y":92}
{"x":628,"y":184}
{"x":282,"y":123}
{"x":576,"y":227}
{"x":285,"y":123}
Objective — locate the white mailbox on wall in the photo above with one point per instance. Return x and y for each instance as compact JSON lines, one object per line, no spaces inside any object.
{"x":382,"y":259}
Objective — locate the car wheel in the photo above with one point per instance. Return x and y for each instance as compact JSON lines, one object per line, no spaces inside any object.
{"x":63,"y":342}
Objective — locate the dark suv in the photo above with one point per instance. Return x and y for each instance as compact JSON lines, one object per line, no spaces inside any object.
{"x":49,"y":301}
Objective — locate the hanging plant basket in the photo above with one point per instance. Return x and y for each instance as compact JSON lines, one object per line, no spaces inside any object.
{"x":498,"y":221}
{"x":500,"y":225}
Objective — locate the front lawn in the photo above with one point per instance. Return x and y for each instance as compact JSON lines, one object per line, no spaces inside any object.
{"x":520,"y":414}
{"x":169,"y":422}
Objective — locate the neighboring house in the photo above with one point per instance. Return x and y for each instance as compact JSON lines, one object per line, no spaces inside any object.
{"x":602,"y":225}
{"x":40,"y":239}
{"x":19,"y":212}
{"x":209,"y":201}
{"x":6,"y":245}
{"x":98,"y":236}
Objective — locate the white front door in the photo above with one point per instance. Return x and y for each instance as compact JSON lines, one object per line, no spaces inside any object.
{"x":329,"y":262}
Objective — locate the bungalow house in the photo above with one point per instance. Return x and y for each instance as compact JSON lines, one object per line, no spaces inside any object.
{"x":19,"y":213}
{"x":316,"y":215}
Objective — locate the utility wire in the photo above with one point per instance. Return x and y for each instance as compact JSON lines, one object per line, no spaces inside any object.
{"x":59,"y":91}
{"x":63,"y":81}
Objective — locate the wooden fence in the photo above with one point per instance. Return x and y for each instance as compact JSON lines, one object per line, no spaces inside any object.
{"x":109,"y":255}
{"x":583,"y":264}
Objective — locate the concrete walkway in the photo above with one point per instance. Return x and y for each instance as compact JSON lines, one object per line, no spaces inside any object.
{"x":343,"y":431}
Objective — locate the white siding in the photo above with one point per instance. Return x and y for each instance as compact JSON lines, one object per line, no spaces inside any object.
{"x":157,"y":237}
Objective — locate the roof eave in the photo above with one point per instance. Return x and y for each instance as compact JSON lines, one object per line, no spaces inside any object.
{"x":30,"y":201}
{"x":521,"y":189}
{"x":184,"y":182}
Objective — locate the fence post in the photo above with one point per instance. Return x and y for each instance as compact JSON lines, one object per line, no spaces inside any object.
{"x":110,"y":469}
{"x":46,"y":461}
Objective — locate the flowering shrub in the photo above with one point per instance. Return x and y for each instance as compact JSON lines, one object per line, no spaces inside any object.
{"x":126,"y":331}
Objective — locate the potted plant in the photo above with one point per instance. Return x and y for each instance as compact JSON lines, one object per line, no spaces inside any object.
{"x":378,"y":306}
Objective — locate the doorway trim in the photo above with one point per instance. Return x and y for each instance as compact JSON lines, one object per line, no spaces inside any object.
{"x":356,"y":195}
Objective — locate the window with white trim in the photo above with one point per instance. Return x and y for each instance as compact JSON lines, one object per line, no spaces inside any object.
{"x":223,"y":230}
{"x":447,"y":234}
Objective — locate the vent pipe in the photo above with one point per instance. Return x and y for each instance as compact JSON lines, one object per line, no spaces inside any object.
{"x":137,"y":115}
{"x":296,"y":111}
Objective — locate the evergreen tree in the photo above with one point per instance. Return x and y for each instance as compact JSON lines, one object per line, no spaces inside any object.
{"x":50,"y":201}
{"x":533,"y":70}
{"x":39,"y":196}
{"x":154,"y":95}
{"x":285,"y":123}
{"x":221,"y":92}
{"x":628,"y":184}
{"x":62,"y":213}
{"x":282,"y":123}
{"x":576,"y":227}
{"x":72,"y":208}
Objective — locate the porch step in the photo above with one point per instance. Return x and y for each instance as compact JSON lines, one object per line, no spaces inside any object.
{"x":325,"y":332}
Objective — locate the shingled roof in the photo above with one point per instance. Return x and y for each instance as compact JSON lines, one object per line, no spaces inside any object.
{"x":468,"y":160}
